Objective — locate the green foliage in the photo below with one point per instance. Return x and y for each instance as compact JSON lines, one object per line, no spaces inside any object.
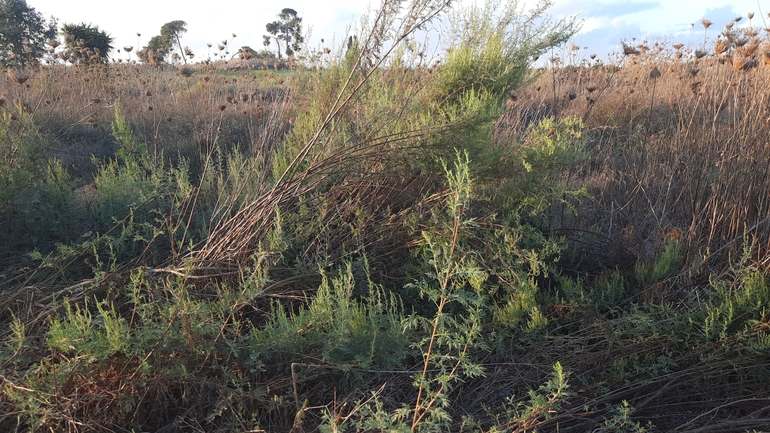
{"x":23,"y":34}
{"x":541,"y":404}
{"x":129,"y":148}
{"x":87,"y":43}
{"x":737,"y":303}
{"x":155,"y":52}
{"x":454,"y":282}
{"x":342,"y":326}
{"x":621,"y":421}
{"x":663,"y":265}
{"x":490,"y":51}
{"x":36,"y":192}
{"x":286,"y":30}
{"x":161,"y":46}
{"x":79,"y":333}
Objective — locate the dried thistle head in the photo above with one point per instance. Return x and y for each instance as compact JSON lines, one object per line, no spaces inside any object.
{"x":721,"y":46}
{"x":678,"y":46}
{"x":751,"y":15}
{"x":743,"y":63}
{"x":699,"y":54}
{"x":655,"y":73}
{"x":185,"y":71}
{"x":19,"y":75}
{"x":705,"y":23}
{"x":629,"y":50}
{"x":695,"y":87}
{"x":766,"y":57}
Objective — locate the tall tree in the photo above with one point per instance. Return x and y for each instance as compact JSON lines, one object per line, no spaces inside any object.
{"x":160,"y":47}
{"x":86,"y":43}
{"x":172,"y":32}
{"x":23,"y":33}
{"x":286,"y":30}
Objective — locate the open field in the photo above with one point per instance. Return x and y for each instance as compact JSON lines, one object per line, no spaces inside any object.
{"x":461,"y":245}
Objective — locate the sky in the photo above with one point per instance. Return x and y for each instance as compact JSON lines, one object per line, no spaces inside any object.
{"x":605,"y":23}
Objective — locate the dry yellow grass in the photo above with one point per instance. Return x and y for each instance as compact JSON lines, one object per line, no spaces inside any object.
{"x":684,"y":148}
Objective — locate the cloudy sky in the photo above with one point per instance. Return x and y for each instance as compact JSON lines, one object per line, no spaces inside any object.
{"x":605,"y":22}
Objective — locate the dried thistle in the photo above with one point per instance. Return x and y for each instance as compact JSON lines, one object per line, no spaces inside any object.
{"x":721,"y":46}
{"x":695,"y":87}
{"x":629,"y":50}
{"x":705,"y":23}
{"x":699,"y":54}
{"x":19,"y":75}
{"x":655,"y":73}
{"x":678,"y":46}
{"x":185,"y":71}
{"x":743,"y":63}
{"x":766,"y":57}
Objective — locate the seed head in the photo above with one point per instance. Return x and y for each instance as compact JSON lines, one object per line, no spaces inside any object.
{"x":185,"y":71}
{"x":19,"y":75}
{"x":721,"y":46}
{"x":705,"y":23}
{"x":629,"y":50}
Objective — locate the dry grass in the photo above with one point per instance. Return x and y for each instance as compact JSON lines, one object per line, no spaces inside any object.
{"x":172,"y":111}
{"x":676,"y":145}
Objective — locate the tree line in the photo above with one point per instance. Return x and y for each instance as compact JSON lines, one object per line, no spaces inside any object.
{"x":27,"y":37}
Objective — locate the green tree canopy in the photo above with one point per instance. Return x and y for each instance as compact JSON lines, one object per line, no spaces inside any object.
{"x":86,"y":43}
{"x":23,"y":33}
{"x":160,"y":47}
{"x":287,"y":30}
